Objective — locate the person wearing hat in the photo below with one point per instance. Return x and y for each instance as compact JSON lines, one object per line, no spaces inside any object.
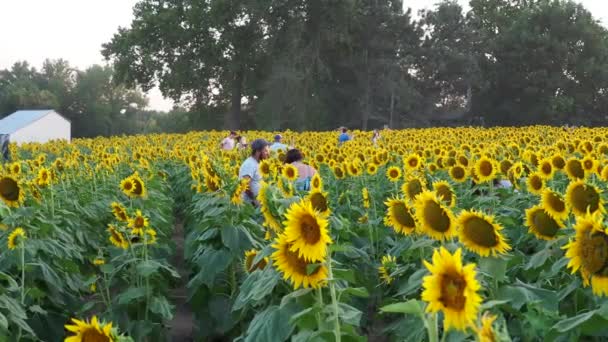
{"x":278,"y":145}
{"x":250,"y":169}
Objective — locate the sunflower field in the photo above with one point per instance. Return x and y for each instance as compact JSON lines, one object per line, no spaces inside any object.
{"x":451,"y":234}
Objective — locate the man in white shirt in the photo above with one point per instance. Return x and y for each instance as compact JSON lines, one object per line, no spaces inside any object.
{"x":228,"y":143}
{"x":250,"y":170}
{"x":278,"y":145}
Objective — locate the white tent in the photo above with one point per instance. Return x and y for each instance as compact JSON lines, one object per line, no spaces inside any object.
{"x":25,"y":126}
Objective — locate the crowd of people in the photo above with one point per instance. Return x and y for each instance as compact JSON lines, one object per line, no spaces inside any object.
{"x":262,"y":149}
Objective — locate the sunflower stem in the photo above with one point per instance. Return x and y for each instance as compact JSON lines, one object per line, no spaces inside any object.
{"x":22,"y":282}
{"x":320,"y":302}
{"x":431,"y":327}
{"x":334,"y":301}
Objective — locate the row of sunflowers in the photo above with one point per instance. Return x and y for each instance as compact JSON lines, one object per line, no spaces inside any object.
{"x":454,"y":234}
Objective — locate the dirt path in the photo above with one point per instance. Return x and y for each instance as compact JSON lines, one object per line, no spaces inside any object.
{"x":183,"y":322}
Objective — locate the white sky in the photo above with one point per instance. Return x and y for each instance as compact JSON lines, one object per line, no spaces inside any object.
{"x":74,"y":30}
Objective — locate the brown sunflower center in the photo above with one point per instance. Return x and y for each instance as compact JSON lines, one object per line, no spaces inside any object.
{"x":445,"y":194}
{"x":394,"y":173}
{"x":298,"y":264}
{"x":480,"y":231}
{"x":290,"y":172}
{"x":339,"y":173}
{"x":546,"y":168}
{"x":128,"y":186}
{"x":594,"y":252}
{"x":316,"y":183}
{"x":402,"y":215}
{"x":485,"y":168}
{"x":588,"y":164}
{"x":260,"y":265}
{"x":436,"y":217}
{"x":544,"y":224}
{"x":414,"y":188}
{"x":457,"y":172}
{"x":310,"y":230}
{"x":452,"y":291}
{"x":93,"y":335}
{"x":265,"y":168}
{"x":413,"y":162}
{"x":585,"y":197}
{"x":536,"y":183}
{"x":555,"y":202}
{"x":139,"y":222}
{"x":575,"y":169}
{"x":559,"y":162}
{"x":319,"y":202}
{"x":137,"y":187}
{"x":9,"y":189}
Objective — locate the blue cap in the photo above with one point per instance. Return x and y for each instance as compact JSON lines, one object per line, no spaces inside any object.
{"x":277,"y":137}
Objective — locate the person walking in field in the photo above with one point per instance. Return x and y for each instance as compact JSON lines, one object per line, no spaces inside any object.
{"x":344,"y":136}
{"x":250,"y":170}
{"x":229,"y":142}
{"x":305,"y":172}
{"x":277,"y":144}
{"x":375,"y":137}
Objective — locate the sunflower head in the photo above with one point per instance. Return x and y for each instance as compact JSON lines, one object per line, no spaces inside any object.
{"x":558,"y":161}
{"x":435,"y":219}
{"x":541,"y":224}
{"x":413,"y":187}
{"x":393,"y":174}
{"x":290,"y":172}
{"x":554,"y":205}
{"x":90,"y":331}
{"x":372,"y":169}
{"x":583,"y":198}
{"x":413,"y":162}
{"x":445,"y":193}
{"x":480,"y":234}
{"x":338,"y":172}
{"x":11,"y":191}
{"x":458,"y":173}
{"x":588,"y":253}
{"x":574,"y":169}
{"x":119,"y":211}
{"x":485,"y":333}
{"x":535,"y":183}
{"x":319,"y":202}
{"x":452,"y":289}
{"x":16,"y":238}
{"x":295,"y":268}
{"x":485,"y":169}
{"x":117,"y":238}
{"x":265,"y":168}
{"x":545,"y":169}
{"x":307,"y":231}
{"x":399,"y":216}
{"x":248,"y":262}
{"x":316,"y":183}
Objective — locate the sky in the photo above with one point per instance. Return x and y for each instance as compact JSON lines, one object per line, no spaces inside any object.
{"x":74,"y":30}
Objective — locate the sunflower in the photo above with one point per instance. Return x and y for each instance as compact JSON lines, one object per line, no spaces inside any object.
{"x":574,"y":169}
{"x":338,"y":172}
{"x":583,"y":198}
{"x":94,"y":331}
{"x":316,"y":183}
{"x":306,"y":231}
{"x":319,"y":202}
{"x":412,"y":162}
{"x":365,"y":196}
{"x":485,"y":169}
{"x":535,"y":183}
{"x":11,"y":192}
{"x":138,"y":222}
{"x":237,"y":196}
{"x":15,"y":169}
{"x":99,"y":262}
{"x":480,"y":234}
{"x":44,"y":177}
{"x":435,"y":219}
{"x":413,"y":187}
{"x":126,"y":185}
{"x":120,"y":213}
{"x":545,"y":169}
{"x":399,"y":216}
{"x":558,"y":162}
{"x":389,"y":262}
{"x":588,"y":253}
{"x":458,"y":173}
{"x":541,"y":224}
{"x":604,"y":174}
{"x":269,"y":218}
{"x":372,"y":169}
{"x":295,"y":268}
{"x":554,"y":205}
{"x":150,"y":236}
{"x":589,"y":165}
{"x":290,"y":172}
{"x":248,"y":261}
{"x":15,"y":238}
{"x":393,"y":174}
{"x":485,"y":333}
{"x":452,"y":289}
{"x":116,"y":237}
{"x":139,"y":188}
{"x":445,"y":193}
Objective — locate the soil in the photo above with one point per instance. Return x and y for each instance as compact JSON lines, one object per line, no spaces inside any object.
{"x":182,"y":325}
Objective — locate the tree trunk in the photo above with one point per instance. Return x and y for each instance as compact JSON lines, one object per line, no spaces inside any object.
{"x":392,"y":110}
{"x":366,"y":106}
{"x":232,"y":120}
